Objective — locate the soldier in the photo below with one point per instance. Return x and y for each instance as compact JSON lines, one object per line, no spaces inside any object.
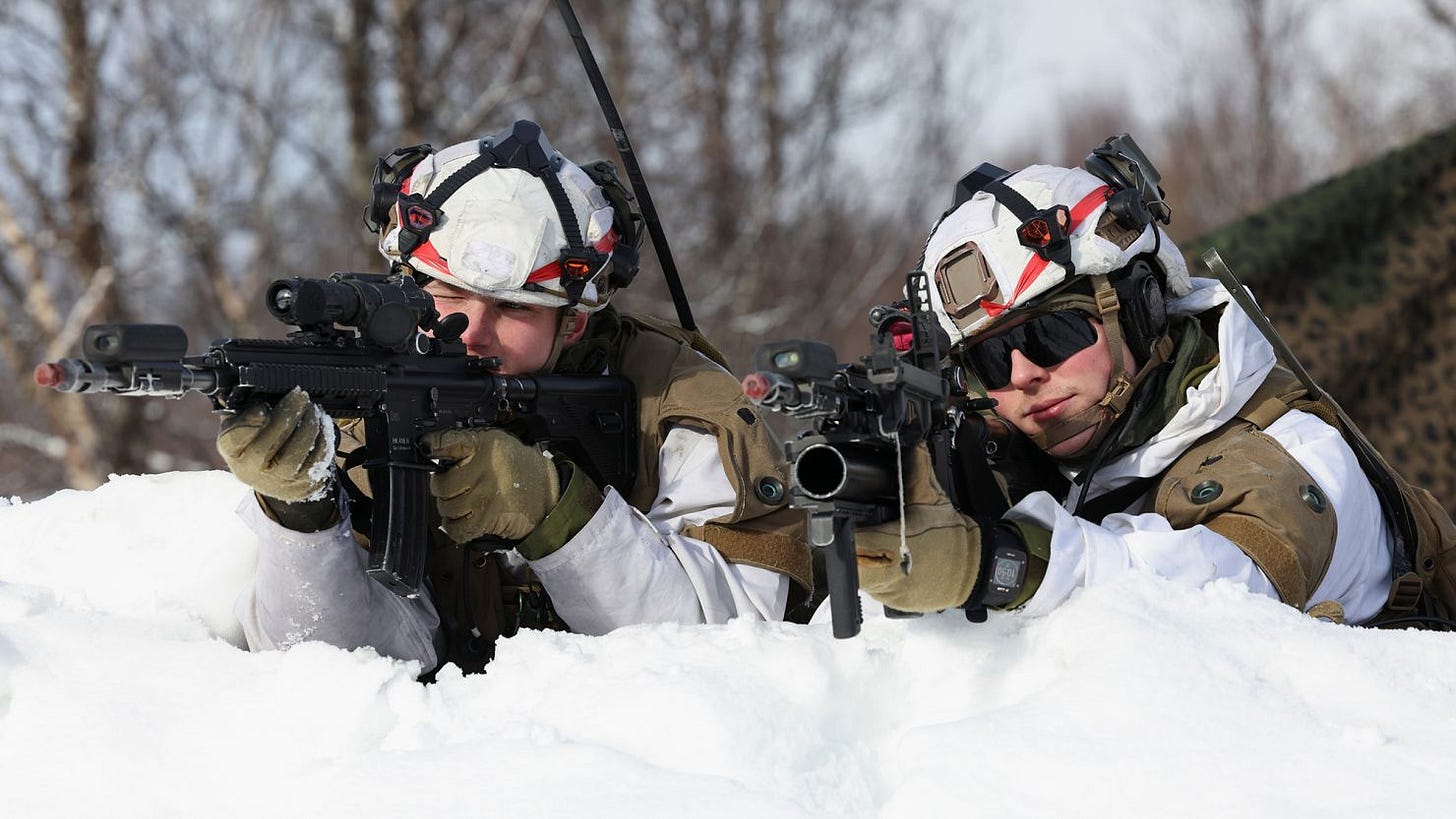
{"x":527,"y":245}
{"x":1153,"y":397}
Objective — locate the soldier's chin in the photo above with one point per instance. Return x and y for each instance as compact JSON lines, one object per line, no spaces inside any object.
{"x":1070,"y":446}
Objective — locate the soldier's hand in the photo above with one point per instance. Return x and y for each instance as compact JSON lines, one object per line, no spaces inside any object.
{"x":944,"y":547}
{"x":284,"y":451}
{"x":496,"y":485}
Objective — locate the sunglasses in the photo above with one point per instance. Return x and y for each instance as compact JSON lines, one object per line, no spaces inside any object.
{"x":1046,"y":341}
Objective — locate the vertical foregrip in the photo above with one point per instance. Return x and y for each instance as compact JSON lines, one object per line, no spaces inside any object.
{"x":843,"y":577}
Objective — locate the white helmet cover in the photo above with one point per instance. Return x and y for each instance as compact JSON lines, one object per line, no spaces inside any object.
{"x":500,"y":234}
{"x":980,"y":238}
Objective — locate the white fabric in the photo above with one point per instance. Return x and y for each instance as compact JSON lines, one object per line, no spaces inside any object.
{"x":626,"y":567}
{"x":993,"y":228}
{"x":308,"y":587}
{"x":623,"y":568}
{"x":1084,"y":553}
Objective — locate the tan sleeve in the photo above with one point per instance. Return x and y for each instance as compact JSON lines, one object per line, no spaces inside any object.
{"x":1245,"y":486}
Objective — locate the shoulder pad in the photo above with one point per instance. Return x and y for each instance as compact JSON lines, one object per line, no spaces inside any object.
{"x":1243,"y":485}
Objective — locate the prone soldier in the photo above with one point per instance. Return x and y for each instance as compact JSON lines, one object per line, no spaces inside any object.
{"x":530,"y":248}
{"x":1179,"y":444}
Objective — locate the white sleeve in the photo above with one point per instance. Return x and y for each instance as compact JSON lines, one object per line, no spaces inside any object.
{"x":626,"y":568}
{"x":1360,"y":571}
{"x":1085,"y":553}
{"x":312,"y":586}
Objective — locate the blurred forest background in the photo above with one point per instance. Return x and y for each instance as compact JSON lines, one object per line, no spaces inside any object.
{"x":163,"y":160}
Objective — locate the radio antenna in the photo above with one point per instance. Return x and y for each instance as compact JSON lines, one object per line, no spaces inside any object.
{"x":629,"y":159}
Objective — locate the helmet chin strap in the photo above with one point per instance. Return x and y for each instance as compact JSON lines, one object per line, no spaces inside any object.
{"x":566,"y":327}
{"x":1120,"y":385}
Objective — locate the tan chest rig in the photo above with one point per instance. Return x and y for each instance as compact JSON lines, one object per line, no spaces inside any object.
{"x":478,"y":598}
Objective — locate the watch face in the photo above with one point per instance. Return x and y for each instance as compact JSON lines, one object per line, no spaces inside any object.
{"x":1006,"y":572}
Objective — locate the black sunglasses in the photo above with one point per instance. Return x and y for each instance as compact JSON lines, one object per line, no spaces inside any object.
{"x":1046,"y":341}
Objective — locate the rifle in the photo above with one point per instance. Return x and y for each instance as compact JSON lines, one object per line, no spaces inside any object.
{"x":371,"y":347}
{"x":845,"y":469}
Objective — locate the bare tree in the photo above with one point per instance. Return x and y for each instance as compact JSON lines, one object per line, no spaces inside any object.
{"x":183,"y":154}
{"x":772,"y":213}
{"x":59,"y":269}
{"x":1234,"y":141}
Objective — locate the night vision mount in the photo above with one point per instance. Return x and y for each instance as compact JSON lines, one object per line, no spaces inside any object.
{"x":1137,"y":197}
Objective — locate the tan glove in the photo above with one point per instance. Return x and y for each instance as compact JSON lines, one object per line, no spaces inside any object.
{"x":496,"y":486}
{"x":944,"y":546}
{"x":284,"y":452}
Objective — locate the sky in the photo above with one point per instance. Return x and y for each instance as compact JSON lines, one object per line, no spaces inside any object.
{"x":1147,"y":57}
{"x":124,"y":693}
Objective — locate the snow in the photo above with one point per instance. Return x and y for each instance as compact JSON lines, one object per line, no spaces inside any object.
{"x":124,"y":693}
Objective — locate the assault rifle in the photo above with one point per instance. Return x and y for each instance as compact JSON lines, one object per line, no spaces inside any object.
{"x":846,"y":468}
{"x":371,"y":347}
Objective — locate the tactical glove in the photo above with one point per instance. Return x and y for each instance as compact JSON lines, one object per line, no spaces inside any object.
{"x":498,"y":486}
{"x":284,"y":452}
{"x":944,"y":547}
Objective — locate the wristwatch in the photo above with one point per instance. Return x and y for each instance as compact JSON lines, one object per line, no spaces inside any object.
{"x":1003,"y":567}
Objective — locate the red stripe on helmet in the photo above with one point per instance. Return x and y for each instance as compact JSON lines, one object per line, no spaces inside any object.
{"x":426,"y":253}
{"x":552,"y":271}
{"x":1037,"y":264}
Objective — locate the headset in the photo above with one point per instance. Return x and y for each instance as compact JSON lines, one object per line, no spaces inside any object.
{"x":1136,"y":201}
{"x":1142,"y":305}
{"x":389,"y":174}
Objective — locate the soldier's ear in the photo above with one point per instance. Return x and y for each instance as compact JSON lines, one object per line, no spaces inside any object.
{"x":574,"y":326}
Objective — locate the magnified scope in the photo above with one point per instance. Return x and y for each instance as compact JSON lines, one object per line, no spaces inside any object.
{"x":386,"y":309}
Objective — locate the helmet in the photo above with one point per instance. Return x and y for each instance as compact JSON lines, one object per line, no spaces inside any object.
{"x":1047,"y":238}
{"x":985,"y":259}
{"x":506,"y":216}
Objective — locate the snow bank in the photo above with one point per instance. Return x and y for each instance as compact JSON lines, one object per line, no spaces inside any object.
{"x":123,"y":692}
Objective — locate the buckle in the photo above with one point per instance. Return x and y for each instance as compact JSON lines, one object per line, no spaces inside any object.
{"x":1106,"y":298}
{"x":1120,"y":389}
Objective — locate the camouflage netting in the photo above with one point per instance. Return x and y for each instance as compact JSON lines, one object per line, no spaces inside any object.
{"x":1357,"y":275}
